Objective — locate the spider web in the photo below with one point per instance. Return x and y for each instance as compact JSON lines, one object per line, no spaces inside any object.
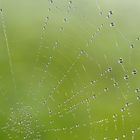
{"x":80,"y":82}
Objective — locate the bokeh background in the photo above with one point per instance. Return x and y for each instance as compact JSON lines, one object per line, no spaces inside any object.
{"x":69,"y":70}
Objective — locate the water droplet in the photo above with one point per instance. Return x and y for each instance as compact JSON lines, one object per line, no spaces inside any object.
{"x":115,"y":84}
{"x":110,"y":12}
{"x":82,"y":52}
{"x":98,"y":29}
{"x":138,"y":97}
{"x":70,"y":2}
{"x":49,"y":9}
{"x":112,"y":24}
{"x":94,"y":96}
{"x":77,"y":125}
{"x":61,"y":28}
{"x":126,"y":77}
{"x":127,"y":104}
{"x":132,"y":46}
{"x":124,"y":135}
{"x":108,"y":16}
{"x":114,"y":116}
{"x":65,"y":19}
{"x":50,"y":112}
{"x":134,"y":72}
{"x":120,"y":61}
{"x":133,"y":131}
{"x":106,"y":89}
{"x":137,"y":90}
{"x":122,"y":109}
{"x":100,"y":13}
{"x":109,"y":69}
{"x":51,"y":1}
{"x":93,"y":82}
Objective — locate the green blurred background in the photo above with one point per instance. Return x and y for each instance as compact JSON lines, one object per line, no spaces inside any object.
{"x":60,"y":76}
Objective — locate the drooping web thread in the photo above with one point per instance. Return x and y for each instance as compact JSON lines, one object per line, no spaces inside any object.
{"x":91,"y":97}
{"x":7,"y":48}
